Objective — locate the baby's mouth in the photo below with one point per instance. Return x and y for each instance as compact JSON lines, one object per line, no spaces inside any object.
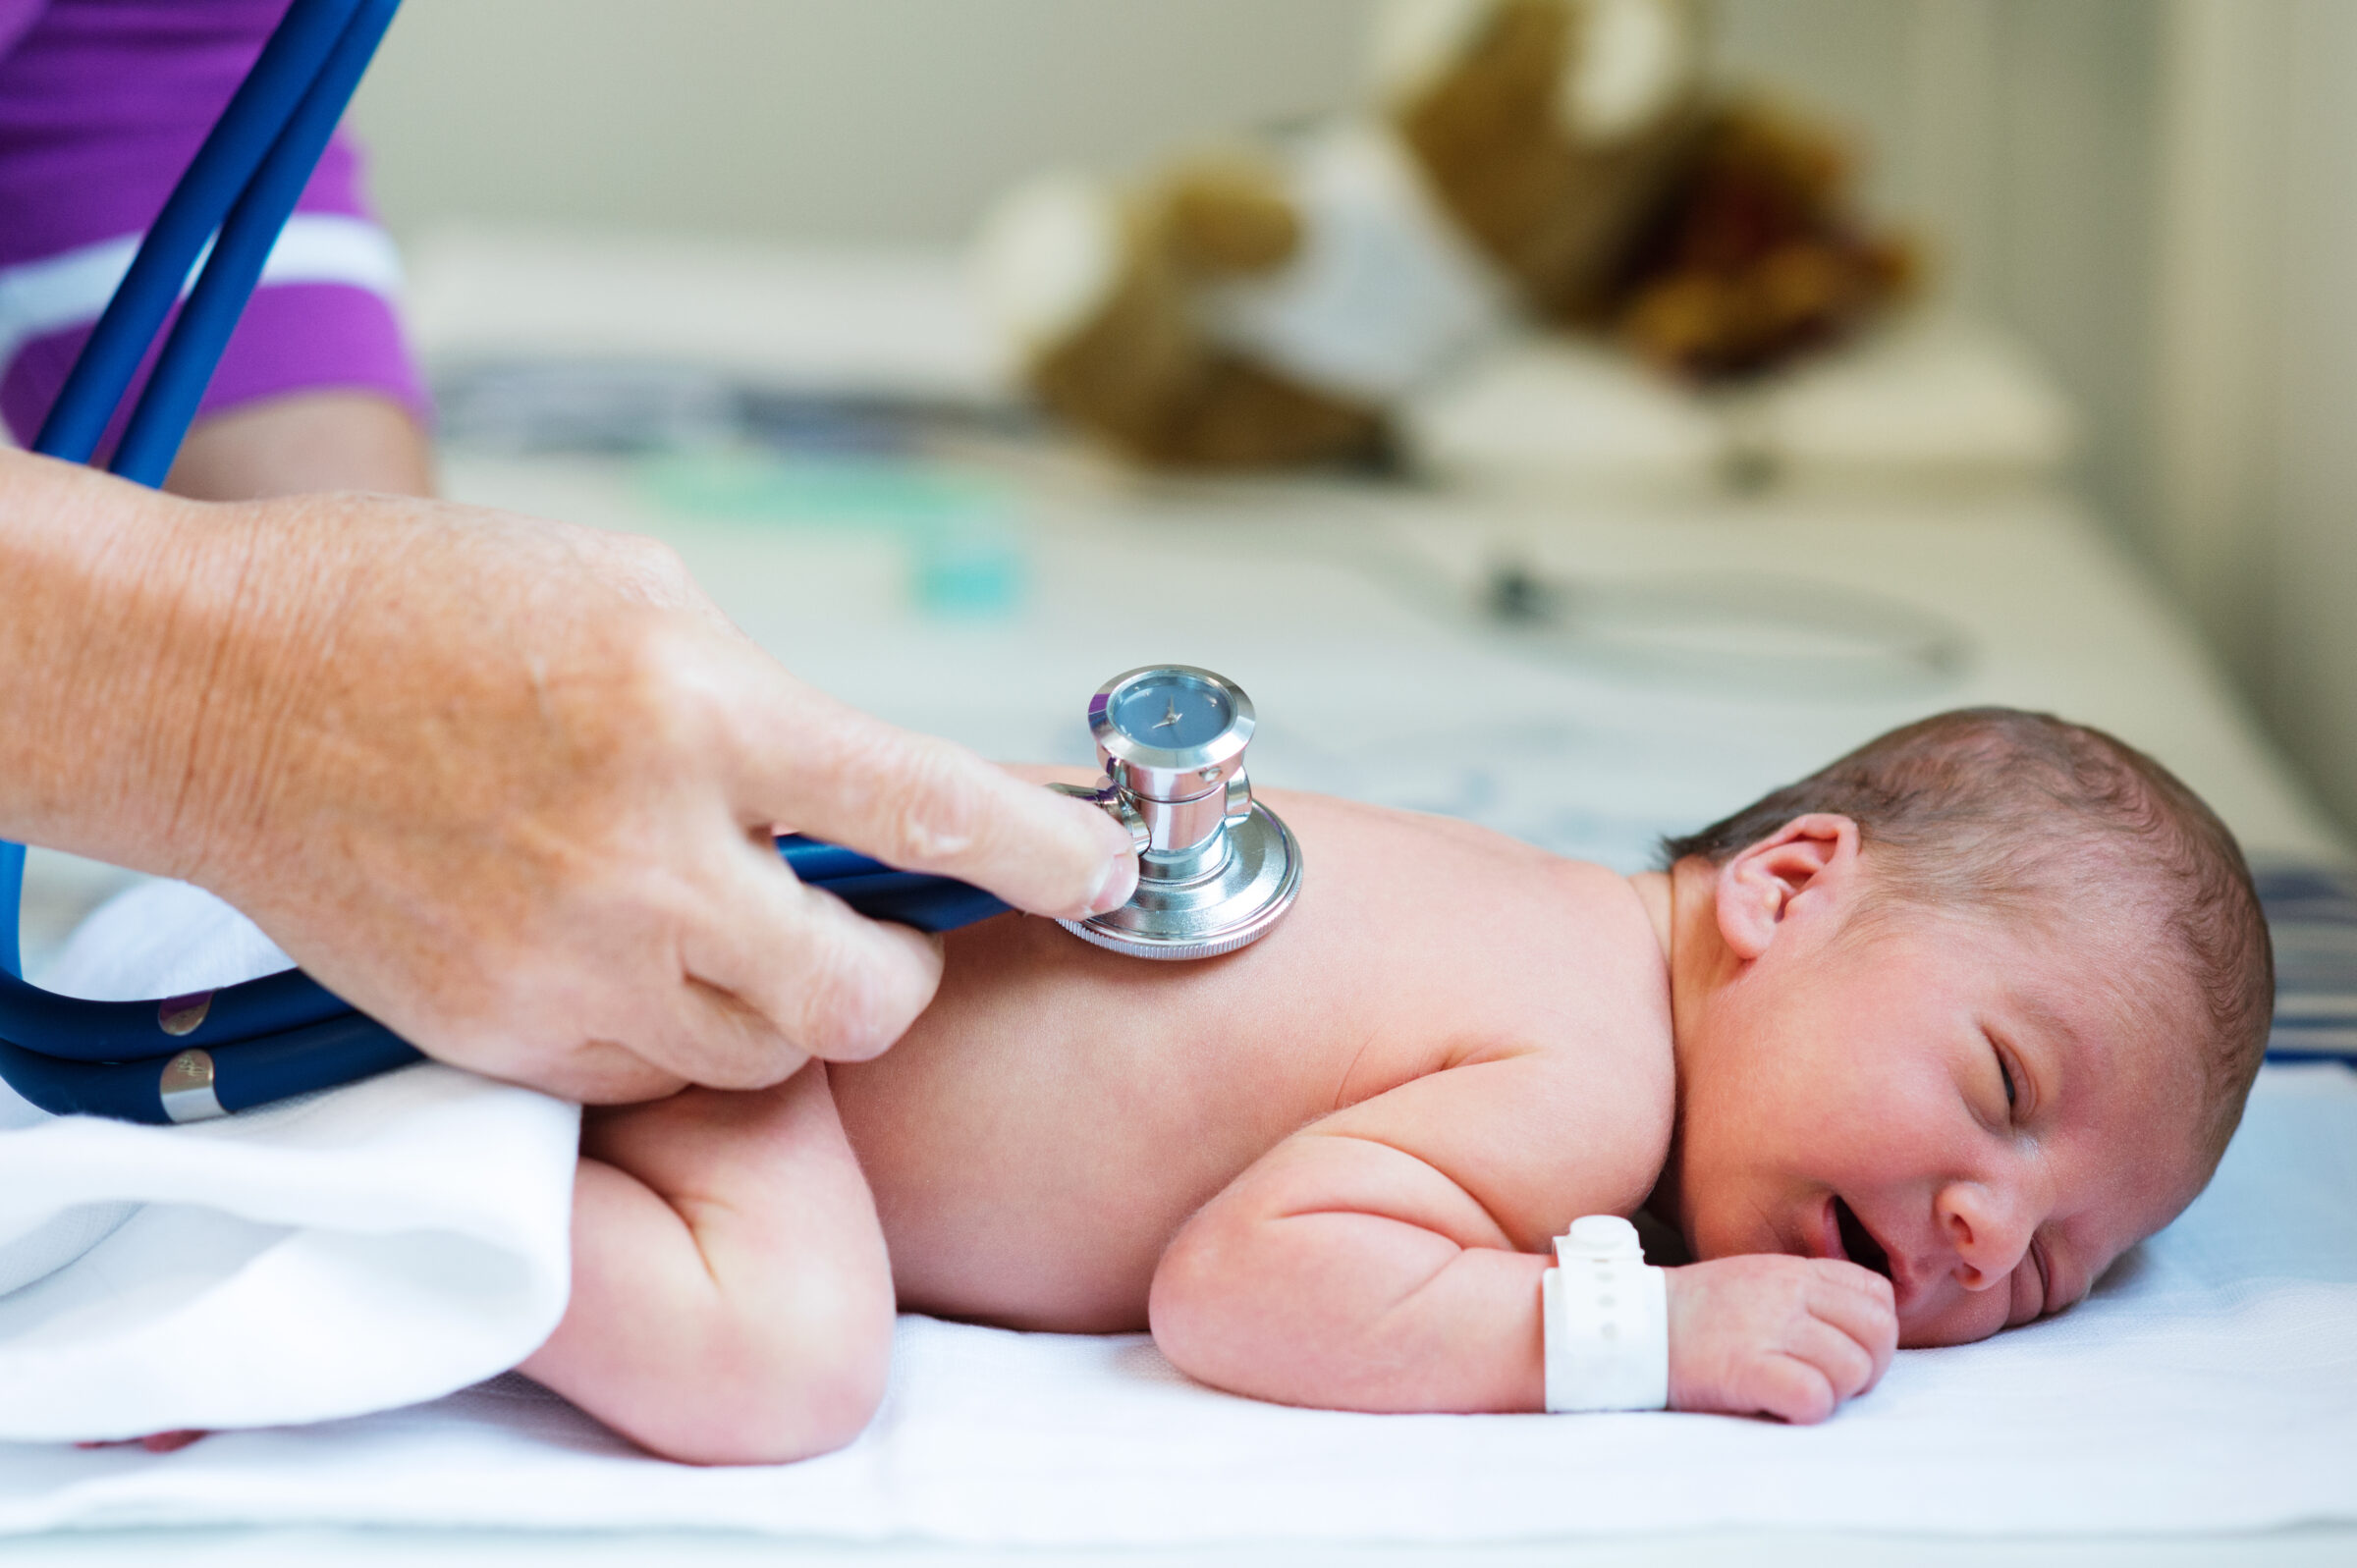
{"x":1858,"y":1241}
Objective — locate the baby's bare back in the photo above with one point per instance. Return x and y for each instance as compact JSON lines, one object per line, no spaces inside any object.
{"x":1054,"y":1116}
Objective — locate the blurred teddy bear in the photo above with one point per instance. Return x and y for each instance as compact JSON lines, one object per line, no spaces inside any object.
{"x":1551,"y":160}
{"x":1753,"y":256}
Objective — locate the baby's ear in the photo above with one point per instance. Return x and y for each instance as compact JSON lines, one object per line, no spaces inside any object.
{"x":1807,"y":869}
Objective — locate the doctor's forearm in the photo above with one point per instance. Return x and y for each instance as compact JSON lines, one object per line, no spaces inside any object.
{"x":121,"y":674}
{"x":112,"y":654}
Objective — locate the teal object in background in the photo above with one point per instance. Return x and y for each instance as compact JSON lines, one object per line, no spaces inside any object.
{"x":964,"y":544}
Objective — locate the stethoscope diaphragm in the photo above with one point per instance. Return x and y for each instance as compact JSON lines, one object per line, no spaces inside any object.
{"x":1217,"y":870}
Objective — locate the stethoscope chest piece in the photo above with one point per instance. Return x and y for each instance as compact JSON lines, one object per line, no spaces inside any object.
{"x":1217,"y":870}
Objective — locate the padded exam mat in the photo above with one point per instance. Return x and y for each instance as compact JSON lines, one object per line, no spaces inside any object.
{"x":2210,"y":1384}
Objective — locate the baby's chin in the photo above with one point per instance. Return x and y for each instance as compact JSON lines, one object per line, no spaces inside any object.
{"x":1928,"y":1325}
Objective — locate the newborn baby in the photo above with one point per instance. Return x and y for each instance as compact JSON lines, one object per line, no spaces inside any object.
{"x":1908,"y":1052}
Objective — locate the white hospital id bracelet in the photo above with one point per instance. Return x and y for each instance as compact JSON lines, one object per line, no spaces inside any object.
{"x":1606,"y":1318}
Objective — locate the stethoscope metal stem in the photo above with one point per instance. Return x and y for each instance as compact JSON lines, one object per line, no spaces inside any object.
{"x":1217,"y":870}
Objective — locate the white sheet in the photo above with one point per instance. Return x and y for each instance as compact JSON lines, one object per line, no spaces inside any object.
{"x":2210,"y":1384}
{"x":345,"y":1252}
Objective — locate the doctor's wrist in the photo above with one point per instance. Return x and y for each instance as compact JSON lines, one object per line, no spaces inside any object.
{"x":101,"y":666}
{"x":242,"y":601}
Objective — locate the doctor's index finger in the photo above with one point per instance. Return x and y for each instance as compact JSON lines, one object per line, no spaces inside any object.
{"x":925,"y":805}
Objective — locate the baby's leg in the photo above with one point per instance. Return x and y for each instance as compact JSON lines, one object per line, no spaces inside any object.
{"x":732,"y":1300}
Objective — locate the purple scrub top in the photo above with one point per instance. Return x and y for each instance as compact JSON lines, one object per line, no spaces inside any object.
{"x":102,"y":103}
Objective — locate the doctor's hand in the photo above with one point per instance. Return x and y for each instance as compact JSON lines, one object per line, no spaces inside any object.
{"x":509,"y":786}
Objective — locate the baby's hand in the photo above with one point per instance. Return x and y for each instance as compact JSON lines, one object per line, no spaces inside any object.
{"x":1782,"y":1336}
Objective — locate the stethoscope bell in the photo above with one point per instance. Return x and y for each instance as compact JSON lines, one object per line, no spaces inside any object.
{"x":1217,"y":870}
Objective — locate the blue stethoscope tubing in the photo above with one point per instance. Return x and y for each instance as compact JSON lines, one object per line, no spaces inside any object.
{"x":284,"y":1034}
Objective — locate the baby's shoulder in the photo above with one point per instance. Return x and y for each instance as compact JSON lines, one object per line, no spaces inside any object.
{"x":1571,"y":1085}
{"x":1612,"y":956}
{"x":1599,"y":989}
{"x":1471,"y":937}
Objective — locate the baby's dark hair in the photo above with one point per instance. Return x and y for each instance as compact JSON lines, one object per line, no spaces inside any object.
{"x":1999,"y":812}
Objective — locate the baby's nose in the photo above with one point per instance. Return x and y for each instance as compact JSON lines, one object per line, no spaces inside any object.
{"x":1987,"y":1229}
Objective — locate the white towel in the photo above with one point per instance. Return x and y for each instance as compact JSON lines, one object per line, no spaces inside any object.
{"x":351,"y":1250}
{"x":2210,"y":1384}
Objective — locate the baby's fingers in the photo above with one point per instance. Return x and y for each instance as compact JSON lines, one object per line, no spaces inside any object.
{"x":1790,"y":1387}
{"x":1849,"y":1368}
{"x":1867,"y":1319}
{"x":1855,"y":1278}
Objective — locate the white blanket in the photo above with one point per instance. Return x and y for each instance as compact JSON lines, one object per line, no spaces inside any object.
{"x":2210,"y":1384}
{"x":345,"y":1252}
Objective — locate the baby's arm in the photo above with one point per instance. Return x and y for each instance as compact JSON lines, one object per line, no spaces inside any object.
{"x":1385,"y":1258}
{"x":732,"y":1300}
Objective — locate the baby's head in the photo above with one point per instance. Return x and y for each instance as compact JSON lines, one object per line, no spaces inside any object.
{"x":1977,"y":1005}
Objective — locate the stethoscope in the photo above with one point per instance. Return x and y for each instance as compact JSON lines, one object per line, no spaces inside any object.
{"x":1217,"y":870}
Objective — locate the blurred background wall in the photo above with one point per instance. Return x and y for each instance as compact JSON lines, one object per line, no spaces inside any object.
{"x":2159,"y":195}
